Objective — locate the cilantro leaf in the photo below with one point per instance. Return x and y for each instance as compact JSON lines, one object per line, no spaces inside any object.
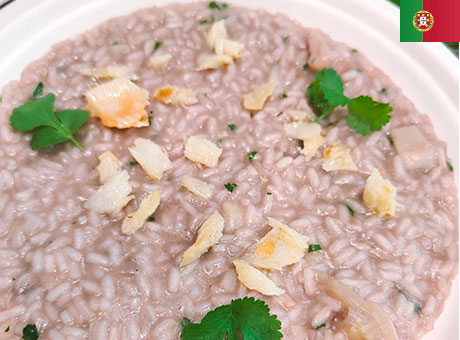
{"x":158,"y":44}
{"x":326,"y":92}
{"x":50,"y":128}
{"x":30,"y":332}
{"x":366,"y":115}
{"x":249,"y":317}
{"x":34,"y":114}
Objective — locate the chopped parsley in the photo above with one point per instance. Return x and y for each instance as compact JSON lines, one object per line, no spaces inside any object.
{"x":7,"y":329}
{"x":300,"y":143}
{"x":115,"y":42}
{"x":204,"y":21}
{"x":251,"y":156}
{"x":132,"y":163}
{"x":158,"y":44}
{"x":279,"y":114}
{"x":244,"y":318}
{"x":449,"y":166}
{"x":320,"y":326}
{"x":207,"y":21}
{"x":214,"y":5}
{"x":350,"y":210}
{"x":285,"y":39}
{"x":232,"y":127}
{"x":230,"y":186}
{"x":359,"y":70}
{"x":305,"y":66}
{"x":49,"y":128}
{"x":150,"y":120}
{"x":30,"y":332}
{"x":38,"y":92}
{"x":150,"y":219}
{"x":313,"y":247}
{"x":219,"y":141}
{"x":383,"y":90}
{"x":364,"y":114}
{"x":390,"y":140}
{"x":269,"y":193}
{"x":13,"y":279}
{"x":354,"y":50}
{"x":283,"y":95}
{"x":251,"y":115}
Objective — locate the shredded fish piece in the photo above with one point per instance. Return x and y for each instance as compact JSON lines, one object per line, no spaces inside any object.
{"x":255,"y":100}
{"x":151,"y":157}
{"x":119,"y":103}
{"x":175,"y":95}
{"x":112,"y":196}
{"x":213,"y":61}
{"x":197,"y":187}
{"x":254,"y":279}
{"x":159,"y":62}
{"x":135,"y":220}
{"x":202,"y":151}
{"x":337,"y":157}
{"x":208,"y":235}
{"x":108,"y":167}
{"x":379,"y":194}
{"x":281,"y":246}
{"x":110,"y":72}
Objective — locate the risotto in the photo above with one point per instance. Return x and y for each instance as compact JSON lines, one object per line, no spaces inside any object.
{"x":203,"y":176}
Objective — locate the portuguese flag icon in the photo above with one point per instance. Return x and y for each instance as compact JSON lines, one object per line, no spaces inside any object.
{"x":430,"y":20}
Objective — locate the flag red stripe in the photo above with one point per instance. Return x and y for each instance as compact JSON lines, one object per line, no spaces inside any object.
{"x":446,"y":14}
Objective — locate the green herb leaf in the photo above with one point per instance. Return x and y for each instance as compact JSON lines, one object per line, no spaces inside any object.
{"x":232,"y":127}
{"x":300,"y":143}
{"x":313,"y":247}
{"x":132,"y":163}
{"x":115,"y":42}
{"x":243,"y":318}
{"x":150,"y":120}
{"x":305,"y":66}
{"x":449,"y":166}
{"x":219,"y":141}
{"x":383,"y":90}
{"x":354,"y":50}
{"x":38,"y":92}
{"x":320,"y":326}
{"x":251,"y":156}
{"x":204,"y":21}
{"x":283,"y":95}
{"x":150,"y":219}
{"x":359,"y":70}
{"x":158,"y":44}
{"x":269,"y":193}
{"x":326,"y":92}
{"x":251,"y":115}
{"x":230,"y":186}
{"x":366,"y":115}
{"x":285,"y":39}
{"x":279,"y":114}
{"x":30,"y":332}
{"x":350,"y":210}
{"x":52,"y":128}
{"x":7,"y":329}
{"x":224,"y":5}
{"x":214,"y":5}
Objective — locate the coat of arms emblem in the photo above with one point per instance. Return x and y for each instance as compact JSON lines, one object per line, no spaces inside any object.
{"x":423,"y":21}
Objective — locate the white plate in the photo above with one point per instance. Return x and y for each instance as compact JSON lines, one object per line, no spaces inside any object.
{"x":427,"y":72}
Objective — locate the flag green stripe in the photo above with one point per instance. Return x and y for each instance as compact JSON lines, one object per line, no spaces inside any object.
{"x":407,"y":30}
